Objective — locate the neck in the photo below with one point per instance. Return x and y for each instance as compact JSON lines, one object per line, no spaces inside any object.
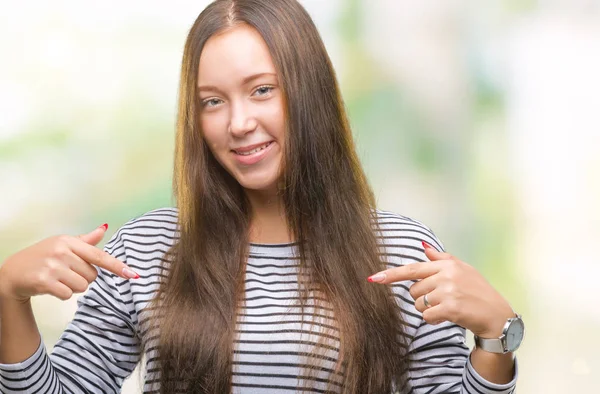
{"x":268,"y":224}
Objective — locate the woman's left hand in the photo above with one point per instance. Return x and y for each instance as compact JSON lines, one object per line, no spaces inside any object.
{"x":456,"y":292}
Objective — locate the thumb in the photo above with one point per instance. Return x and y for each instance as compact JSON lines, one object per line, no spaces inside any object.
{"x":95,"y":236}
{"x":432,"y":253}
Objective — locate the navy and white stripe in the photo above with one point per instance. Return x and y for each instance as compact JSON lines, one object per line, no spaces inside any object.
{"x":102,"y":345}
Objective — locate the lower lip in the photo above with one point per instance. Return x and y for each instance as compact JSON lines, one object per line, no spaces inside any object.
{"x":255,"y":157}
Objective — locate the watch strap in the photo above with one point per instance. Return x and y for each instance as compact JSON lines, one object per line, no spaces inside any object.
{"x":498,"y":345}
{"x":493,"y":345}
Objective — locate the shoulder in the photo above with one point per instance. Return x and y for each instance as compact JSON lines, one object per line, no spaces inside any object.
{"x":394,"y":225}
{"x":401,"y":237}
{"x":152,"y":231}
{"x":142,"y":243}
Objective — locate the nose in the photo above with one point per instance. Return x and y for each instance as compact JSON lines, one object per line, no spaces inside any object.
{"x":242,"y":119}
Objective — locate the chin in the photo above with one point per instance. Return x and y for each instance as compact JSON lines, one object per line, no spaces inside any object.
{"x":260,"y":181}
{"x":258,"y":186}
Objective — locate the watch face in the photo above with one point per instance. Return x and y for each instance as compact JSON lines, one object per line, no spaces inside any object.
{"x":514,"y":334}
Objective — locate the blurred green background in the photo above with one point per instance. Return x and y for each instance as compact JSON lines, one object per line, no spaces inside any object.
{"x":478,"y":118}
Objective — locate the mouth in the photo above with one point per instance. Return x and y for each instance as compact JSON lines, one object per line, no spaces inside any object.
{"x":253,"y":154}
{"x":253,"y":150}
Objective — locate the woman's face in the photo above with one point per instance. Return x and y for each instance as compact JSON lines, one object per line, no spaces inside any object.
{"x":241,"y":105}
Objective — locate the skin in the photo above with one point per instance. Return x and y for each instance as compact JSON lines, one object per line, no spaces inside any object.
{"x":59,"y":266}
{"x":458,"y":293}
{"x":243,"y":105}
{"x":239,"y":111}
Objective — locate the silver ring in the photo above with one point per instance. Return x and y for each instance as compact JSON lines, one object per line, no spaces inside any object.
{"x":426,"y":301}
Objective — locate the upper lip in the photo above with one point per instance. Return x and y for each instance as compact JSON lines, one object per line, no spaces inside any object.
{"x":248,"y":148}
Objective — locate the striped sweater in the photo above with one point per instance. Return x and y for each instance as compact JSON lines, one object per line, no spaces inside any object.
{"x":103,"y":343}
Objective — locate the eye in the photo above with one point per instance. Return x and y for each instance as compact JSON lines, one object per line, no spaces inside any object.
{"x":211,"y":102}
{"x":263,"y":90}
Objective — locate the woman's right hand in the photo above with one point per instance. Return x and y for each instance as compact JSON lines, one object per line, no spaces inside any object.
{"x":59,"y":266}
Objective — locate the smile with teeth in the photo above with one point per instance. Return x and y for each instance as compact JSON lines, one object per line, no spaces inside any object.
{"x":254,"y":150}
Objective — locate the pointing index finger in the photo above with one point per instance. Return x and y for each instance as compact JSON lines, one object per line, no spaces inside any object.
{"x":414,"y":271}
{"x":97,"y":257}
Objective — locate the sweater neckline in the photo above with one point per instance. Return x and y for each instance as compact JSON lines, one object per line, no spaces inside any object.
{"x":284,"y":249}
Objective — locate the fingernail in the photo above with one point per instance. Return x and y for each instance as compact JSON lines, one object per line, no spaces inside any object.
{"x":105,"y":226}
{"x":128,"y":273}
{"x":380,"y":277}
{"x":426,"y":245}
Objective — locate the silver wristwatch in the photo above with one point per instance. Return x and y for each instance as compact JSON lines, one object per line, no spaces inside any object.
{"x":509,"y":341}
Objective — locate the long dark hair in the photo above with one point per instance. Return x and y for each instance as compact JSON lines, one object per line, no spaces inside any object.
{"x":329,"y":207}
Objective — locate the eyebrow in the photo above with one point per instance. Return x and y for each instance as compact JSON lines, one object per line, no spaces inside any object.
{"x":245,"y":81}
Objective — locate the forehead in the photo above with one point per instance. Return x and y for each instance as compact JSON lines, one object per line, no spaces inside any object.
{"x":230,"y":56}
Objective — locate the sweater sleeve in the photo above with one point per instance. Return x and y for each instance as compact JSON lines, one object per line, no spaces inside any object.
{"x":96,"y":352}
{"x":438,"y":355}
{"x":440,"y":363}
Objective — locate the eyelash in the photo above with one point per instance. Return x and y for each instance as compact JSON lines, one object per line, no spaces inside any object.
{"x":205,"y":102}
{"x":269,"y":87}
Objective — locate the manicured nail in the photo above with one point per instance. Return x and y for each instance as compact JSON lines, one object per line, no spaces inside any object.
{"x":128,"y":273}
{"x":426,"y":245}
{"x":380,"y":277}
{"x":105,"y":226}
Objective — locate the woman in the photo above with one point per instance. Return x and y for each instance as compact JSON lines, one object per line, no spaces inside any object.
{"x":270,"y":275}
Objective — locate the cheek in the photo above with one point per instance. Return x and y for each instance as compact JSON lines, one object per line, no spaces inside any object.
{"x":214,"y":133}
{"x":216,"y":147}
{"x":276,"y":120}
